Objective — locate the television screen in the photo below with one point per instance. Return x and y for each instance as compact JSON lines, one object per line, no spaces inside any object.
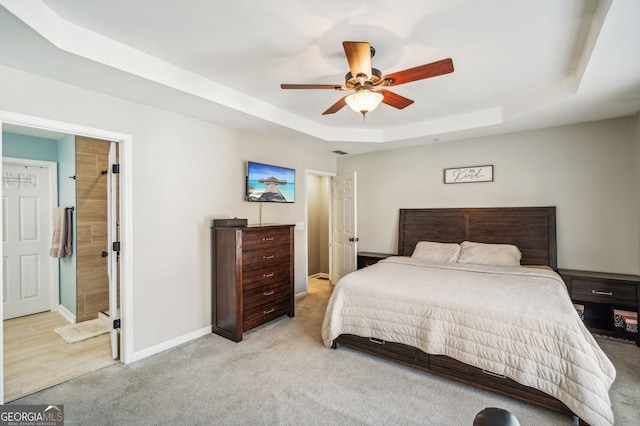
{"x":267,"y":183}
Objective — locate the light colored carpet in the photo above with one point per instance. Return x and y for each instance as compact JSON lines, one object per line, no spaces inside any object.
{"x":73,"y":333}
{"x":281,"y":374}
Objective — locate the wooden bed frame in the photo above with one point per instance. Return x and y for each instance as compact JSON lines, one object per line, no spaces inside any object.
{"x":532,"y":229}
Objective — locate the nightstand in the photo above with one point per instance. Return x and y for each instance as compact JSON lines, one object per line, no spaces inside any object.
{"x":367,"y":258}
{"x":601,"y":292}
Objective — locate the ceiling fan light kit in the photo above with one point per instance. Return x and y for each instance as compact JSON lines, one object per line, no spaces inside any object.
{"x":364,"y":100}
{"x":366,"y":86}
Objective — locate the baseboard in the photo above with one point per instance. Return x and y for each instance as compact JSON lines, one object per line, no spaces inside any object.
{"x":66,"y":313}
{"x":153,"y":350}
{"x":321,"y":275}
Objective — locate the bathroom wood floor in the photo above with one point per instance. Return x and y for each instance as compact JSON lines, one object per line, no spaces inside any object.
{"x":36,"y":357}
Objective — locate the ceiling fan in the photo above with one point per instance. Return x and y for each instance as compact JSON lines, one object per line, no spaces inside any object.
{"x":366,"y":83}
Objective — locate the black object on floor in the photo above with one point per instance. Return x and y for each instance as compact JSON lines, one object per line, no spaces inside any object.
{"x":492,"y":416}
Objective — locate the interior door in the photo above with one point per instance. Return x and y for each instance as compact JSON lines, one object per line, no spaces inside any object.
{"x":112,"y":263}
{"x":27,"y":211}
{"x":344,"y":228}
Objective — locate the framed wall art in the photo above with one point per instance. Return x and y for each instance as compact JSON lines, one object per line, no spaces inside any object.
{"x":469,"y":174}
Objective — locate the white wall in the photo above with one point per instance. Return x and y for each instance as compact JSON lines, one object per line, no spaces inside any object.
{"x":588,"y":171}
{"x":637,"y":137}
{"x":185,"y":172}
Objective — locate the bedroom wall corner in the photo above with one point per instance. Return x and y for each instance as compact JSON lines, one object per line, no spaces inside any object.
{"x":293,"y":154}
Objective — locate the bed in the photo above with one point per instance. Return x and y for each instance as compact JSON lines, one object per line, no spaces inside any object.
{"x":473,"y":295}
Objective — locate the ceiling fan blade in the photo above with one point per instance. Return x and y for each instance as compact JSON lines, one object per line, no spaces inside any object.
{"x":336,"y":107}
{"x":395,"y":100}
{"x":311,"y":86}
{"x":359,"y":57}
{"x":434,"y":69}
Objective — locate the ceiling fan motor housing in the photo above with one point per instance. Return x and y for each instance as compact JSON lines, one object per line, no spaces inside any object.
{"x":351,"y":82}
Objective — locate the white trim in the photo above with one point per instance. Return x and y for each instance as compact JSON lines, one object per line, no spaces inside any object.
{"x":126,"y":219}
{"x":169,"y":344}
{"x":67,"y":314}
{"x":54,"y":266}
{"x":321,"y":275}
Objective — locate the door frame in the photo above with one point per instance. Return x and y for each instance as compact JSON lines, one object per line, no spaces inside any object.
{"x":112,"y":257}
{"x":330,"y":175}
{"x":126,"y":219}
{"x":52,"y":171}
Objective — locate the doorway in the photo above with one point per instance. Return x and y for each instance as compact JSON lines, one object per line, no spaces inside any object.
{"x":79,"y":277}
{"x":26,"y":121}
{"x":318,"y":208}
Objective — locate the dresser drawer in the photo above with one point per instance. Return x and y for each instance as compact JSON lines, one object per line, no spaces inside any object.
{"x":265,"y":239}
{"x":268,"y":274}
{"x":264,"y":258}
{"x":599,"y":291}
{"x":265,"y":293}
{"x":265,"y":312}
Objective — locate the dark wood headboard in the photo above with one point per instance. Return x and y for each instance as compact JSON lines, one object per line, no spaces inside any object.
{"x":531,"y":229}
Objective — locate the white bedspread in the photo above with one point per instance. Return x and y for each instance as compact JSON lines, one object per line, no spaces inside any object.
{"x":517,"y":322}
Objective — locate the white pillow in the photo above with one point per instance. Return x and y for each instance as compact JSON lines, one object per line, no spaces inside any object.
{"x":436,"y":252}
{"x":489,"y":254}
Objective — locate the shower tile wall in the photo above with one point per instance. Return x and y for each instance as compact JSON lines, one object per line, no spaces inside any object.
{"x":91,"y":217}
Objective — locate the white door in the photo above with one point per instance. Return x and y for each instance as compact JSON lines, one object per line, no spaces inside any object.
{"x":344,"y":237}
{"x":27,"y":218}
{"x":112,"y":237}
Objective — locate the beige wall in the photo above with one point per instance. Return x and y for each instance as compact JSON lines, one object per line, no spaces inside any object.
{"x":318,"y":188}
{"x":185,"y":172}
{"x":588,"y":171}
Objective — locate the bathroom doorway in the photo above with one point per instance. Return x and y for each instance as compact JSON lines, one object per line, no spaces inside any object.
{"x":80,"y":280}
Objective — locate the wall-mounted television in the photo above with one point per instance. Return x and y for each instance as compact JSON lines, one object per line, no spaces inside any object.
{"x":272,"y":184}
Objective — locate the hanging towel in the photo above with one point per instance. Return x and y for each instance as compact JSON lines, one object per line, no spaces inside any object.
{"x":68,"y":243}
{"x":62,"y":233}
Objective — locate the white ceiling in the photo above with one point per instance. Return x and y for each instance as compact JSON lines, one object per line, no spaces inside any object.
{"x":519,"y":64}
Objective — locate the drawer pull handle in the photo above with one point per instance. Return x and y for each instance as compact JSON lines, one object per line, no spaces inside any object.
{"x":269,"y":275}
{"x":267,"y":239}
{"x":602,"y":293}
{"x":269,"y":311}
{"x":268,"y":257}
{"x":490,"y":373}
{"x":268,"y":293}
{"x":376,"y":341}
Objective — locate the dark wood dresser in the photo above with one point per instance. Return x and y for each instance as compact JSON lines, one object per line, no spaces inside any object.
{"x":252,"y":277}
